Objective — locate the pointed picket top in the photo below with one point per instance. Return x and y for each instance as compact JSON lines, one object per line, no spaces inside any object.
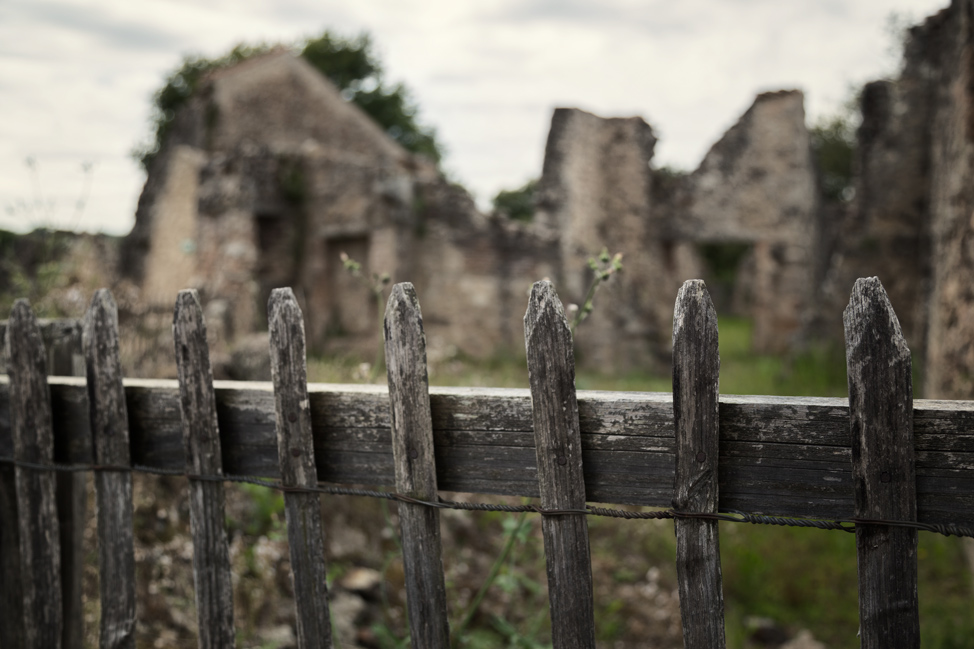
{"x":27,"y":362}
{"x":870,"y":317}
{"x":197,"y":398}
{"x":405,"y":344}
{"x":551,"y":372}
{"x":104,"y":371}
{"x":696,"y":371}
{"x":289,"y":372}
{"x":880,"y":374}
{"x":545,"y":306}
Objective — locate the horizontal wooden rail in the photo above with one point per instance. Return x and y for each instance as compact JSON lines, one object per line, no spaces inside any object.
{"x":787,"y":456}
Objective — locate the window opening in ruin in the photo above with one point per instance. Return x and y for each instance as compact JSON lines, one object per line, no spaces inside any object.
{"x":274,"y":258}
{"x":351,"y":310}
{"x":726,"y":262}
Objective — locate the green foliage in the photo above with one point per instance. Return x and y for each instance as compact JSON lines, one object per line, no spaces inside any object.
{"x":604,"y":267}
{"x":723,"y":259}
{"x":517,"y":204}
{"x":32,"y":266}
{"x":394,"y":110}
{"x":834,"y":149}
{"x":349,"y":62}
{"x":666,"y":181}
{"x":266,"y":515}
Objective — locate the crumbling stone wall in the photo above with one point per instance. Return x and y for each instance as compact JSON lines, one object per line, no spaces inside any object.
{"x":910,"y":223}
{"x":269,"y":176}
{"x":757,"y":185}
{"x":596,"y":191}
{"x":947,"y":43}
{"x":884,"y":231}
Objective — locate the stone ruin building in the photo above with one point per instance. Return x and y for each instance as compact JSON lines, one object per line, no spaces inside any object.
{"x":911,"y":222}
{"x":269,"y":176}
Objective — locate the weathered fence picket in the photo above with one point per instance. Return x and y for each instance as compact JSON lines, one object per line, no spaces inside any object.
{"x":62,"y":342}
{"x":33,"y":437}
{"x":211,"y":553}
{"x":412,"y":451}
{"x":558,"y":446}
{"x":108,"y":415}
{"x":881,"y":418}
{"x":296,"y":455}
{"x":696,"y":366}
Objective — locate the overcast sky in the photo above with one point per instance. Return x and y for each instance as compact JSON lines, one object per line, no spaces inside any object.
{"x":76,"y":77}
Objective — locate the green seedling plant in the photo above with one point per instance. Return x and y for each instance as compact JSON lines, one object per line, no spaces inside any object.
{"x":376,"y":284}
{"x":516,"y":529}
{"x":604,"y":266}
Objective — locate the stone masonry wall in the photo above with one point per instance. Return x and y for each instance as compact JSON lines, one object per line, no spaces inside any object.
{"x":948,"y":43}
{"x":757,"y":185}
{"x":596,"y":191}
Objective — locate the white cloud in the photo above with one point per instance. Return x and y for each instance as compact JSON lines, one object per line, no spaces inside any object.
{"x":77,"y":76}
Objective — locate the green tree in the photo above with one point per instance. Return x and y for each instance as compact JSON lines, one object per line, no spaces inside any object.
{"x":517,"y":203}
{"x":834,"y":149}
{"x":350,"y":64}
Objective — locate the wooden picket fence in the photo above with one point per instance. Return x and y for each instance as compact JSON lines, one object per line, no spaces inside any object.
{"x":879,"y":460}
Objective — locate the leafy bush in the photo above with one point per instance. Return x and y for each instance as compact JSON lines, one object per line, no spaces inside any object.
{"x":517,"y":204}
{"x":834,"y":149}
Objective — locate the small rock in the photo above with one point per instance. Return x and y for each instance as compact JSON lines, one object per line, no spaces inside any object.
{"x":361,"y":580}
{"x":804,"y":640}
{"x":278,"y":636}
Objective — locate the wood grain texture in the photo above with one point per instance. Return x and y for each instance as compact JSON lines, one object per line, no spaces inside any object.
{"x":201,"y":437}
{"x":108,"y":418}
{"x":788,"y":456}
{"x":33,"y":440}
{"x":295,"y":448}
{"x":558,"y":444}
{"x":415,"y":468}
{"x":696,"y":370}
{"x":884,"y":479}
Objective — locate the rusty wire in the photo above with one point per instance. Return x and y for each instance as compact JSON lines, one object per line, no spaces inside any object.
{"x":730,"y":516}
